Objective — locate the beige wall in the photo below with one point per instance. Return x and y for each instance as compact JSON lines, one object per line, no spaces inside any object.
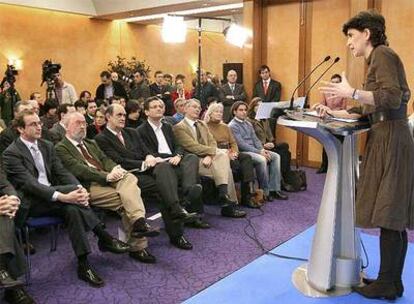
{"x":84,"y":46}
{"x":283,"y":55}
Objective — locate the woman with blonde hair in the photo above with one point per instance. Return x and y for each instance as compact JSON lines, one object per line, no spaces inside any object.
{"x":241,"y":163}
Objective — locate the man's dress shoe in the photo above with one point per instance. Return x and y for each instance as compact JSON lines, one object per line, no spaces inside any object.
{"x":198,"y":224}
{"x":87,"y":274}
{"x":232,"y":211}
{"x":113,"y":245}
{"x":143,"y":256}
{"x":18,"y":296}
{"x":182,"y":243}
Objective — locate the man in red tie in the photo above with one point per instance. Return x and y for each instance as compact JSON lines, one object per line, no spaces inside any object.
{"x":266,"y":88}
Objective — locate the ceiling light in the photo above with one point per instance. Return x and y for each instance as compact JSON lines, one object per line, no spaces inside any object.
{"x":174,"y":29}
{"x":237,"y":35}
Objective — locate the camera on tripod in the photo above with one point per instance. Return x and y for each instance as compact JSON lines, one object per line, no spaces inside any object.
{"x":49,"y":71}
{"x":10,"y":75}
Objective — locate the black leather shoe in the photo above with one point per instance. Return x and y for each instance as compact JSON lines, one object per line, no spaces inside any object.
{"x":378,"y":290}
{"x":179,"y":214}
{"x":226,"y":201}
{"x":278,"y":195}
{"x":114,"y":245}
{"x":198,"y":224}
{"x":7,"y":281}
{"x":18,"y":296}
{"x":398,"y":285}
{"x":231,"y":211}
{"x":143,"y":256}
{"x":87,"y":274}
{"x":142,"y":229}
{"x":182,"y":243}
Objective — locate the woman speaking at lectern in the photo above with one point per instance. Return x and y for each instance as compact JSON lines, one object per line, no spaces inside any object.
{"x":385,"y":190}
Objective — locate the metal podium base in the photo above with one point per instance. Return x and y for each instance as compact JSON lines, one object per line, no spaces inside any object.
{"x":299,"y":279}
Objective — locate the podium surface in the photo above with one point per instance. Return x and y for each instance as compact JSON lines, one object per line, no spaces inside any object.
{"x":335,"y":263}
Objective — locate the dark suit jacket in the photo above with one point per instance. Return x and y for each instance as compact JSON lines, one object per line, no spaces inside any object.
{"x":149,"y":139}
{"x":22,"y":173}
{"x":140,"y":90}
{"x":273,"y":91}
{"x":130,"y":156}
{"x":57,"y":133}
{"x":118,"y":90}
{"x":5,"y":186}
{"x":207,"y":90}
{"x":10,"y":134}
{"x":155,"y":90}
{"x":74,"y":161}
{"x":239,"y":95}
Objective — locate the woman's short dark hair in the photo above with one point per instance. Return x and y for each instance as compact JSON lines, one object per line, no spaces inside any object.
{"x":50,"y":104}
{"x":336,"y":76}
{"x":80,"y":104}
{"x":132,"y":106}
{"x":371,"y":20}
{"x":83,"y":94}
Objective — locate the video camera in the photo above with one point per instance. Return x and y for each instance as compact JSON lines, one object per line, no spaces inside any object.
{"x":10,"y":75}
{"x":49,"y":70}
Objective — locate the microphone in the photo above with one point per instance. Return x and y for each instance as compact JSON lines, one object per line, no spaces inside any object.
{"x":306,"y":77}
{"x":319,"y":78}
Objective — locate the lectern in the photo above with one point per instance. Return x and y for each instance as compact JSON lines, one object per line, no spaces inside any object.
{"x":334,"y":264}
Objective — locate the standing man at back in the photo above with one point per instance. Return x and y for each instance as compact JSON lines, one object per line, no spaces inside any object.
{"x":230,"y":93}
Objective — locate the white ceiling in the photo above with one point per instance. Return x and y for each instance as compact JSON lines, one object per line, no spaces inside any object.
{"x":118,"y":9}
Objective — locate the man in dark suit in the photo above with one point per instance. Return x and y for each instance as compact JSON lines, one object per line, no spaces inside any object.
{"x":110,"y":186}
{"x":160,"y":140}
{"x":46,"y":188}
{"x":132,"y":154}
{"x":58,"y":130}
{"x":109,"y":88}
{"x":230,"y":93}
{"x":160,"y":90}
{"x":12,"y":262}
{"x":205,"y":90}
{"x":268,"y":90}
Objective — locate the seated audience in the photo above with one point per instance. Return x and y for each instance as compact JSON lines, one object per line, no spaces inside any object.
{"x":267,"y":163}
{"x":109,"y":185}
{"x":109,"y":88}
{"x":81,"y":106}
{"x":133,"y":112}
{"x":193,"y":135}
{"x":241,"y":163}
{"x":58,"y":130}
{"x":11,"y":133}
{"x":46,"y":188}
{"x":180,"y":91}
{"x":179,"y":105}
{"x":229,"y":93}
{"x":65,"y":92}
{"x":50,"y":117}
{"x":12,"y":262}
{"x":159,"y":139}
{"x":162,"y":91}
{"x":125,"y":147}
{"x":140,"y":88}
{"x":90,"y":112}
{"x":264,"y":133}
{"x":98,"y":125}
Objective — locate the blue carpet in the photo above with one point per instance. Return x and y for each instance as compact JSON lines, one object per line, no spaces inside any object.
{"x":268,"y":279}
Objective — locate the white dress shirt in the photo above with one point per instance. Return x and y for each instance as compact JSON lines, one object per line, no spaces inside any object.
{"x":163,"y":147}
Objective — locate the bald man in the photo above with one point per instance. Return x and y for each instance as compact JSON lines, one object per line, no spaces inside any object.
{"x":230,"y":93}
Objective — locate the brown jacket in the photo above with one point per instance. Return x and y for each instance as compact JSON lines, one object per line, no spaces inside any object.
{"x":206,"y":145}
{"x":262,"y":130}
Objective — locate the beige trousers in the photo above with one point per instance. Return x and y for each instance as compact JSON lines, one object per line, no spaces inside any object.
{"x":220,"y":171}
{"x":124,"y":196}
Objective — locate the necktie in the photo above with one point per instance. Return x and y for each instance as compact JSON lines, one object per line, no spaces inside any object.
{"x":198,"y":134}
{"x":232,"y":88}
{"x":89,"y":158}
{"x":40,"y":165}
{"x":121,"y":138}
{"x":265,"y":87}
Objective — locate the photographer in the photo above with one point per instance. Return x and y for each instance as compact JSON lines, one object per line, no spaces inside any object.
{"x":8,"y":95}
